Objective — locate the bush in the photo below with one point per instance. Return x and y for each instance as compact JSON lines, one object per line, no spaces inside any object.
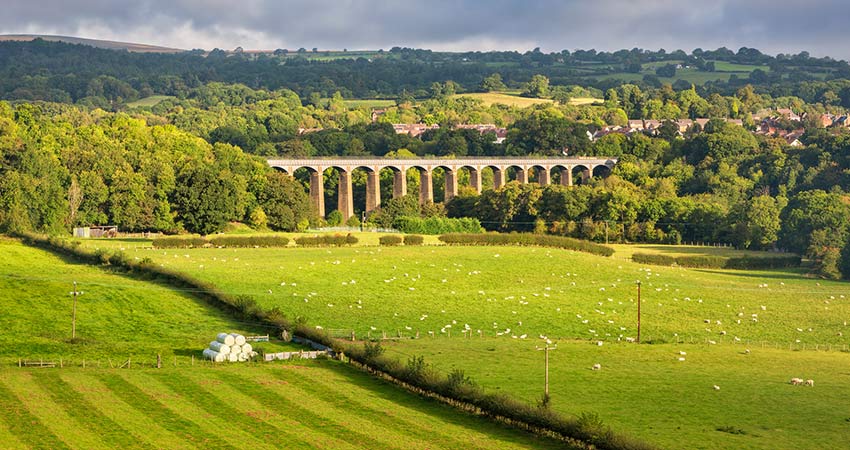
{"x":352,"y":222}
{"x":179,"y":241}
{"x":249,"y":241}
{"x":526,"y":239}
{"x":390,"y":240}
{"x":326,"y":240}
{"x":436,"y":225}
{"x":719,"y":262}
{"x":334,"y":218}
{"x":413,"y":239}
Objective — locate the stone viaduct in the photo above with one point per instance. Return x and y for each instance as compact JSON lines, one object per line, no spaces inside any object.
{"x":584,"y":167}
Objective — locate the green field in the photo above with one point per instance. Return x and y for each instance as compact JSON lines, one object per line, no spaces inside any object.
{"x":148,"y":102}
{"x":492,"y":98}
{"x":793,"y":325}
{"x":369,"y":103}
{"x":690,"y":75}
{"x":627,"y":250}
{"x":318,"y":404}
{"x":117,"y":317}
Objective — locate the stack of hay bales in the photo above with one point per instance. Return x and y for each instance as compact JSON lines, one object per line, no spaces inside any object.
{"x":229,"y":348}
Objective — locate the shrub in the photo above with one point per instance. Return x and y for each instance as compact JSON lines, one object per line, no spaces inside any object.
{"x":649,"y":258}
{"x":390,"y":240}
{"x":249,"y":241}
{"x":413,"y":239}
{"x":352,"y":222}
{"x":179,"y":241}
{"x":326,"y":240}
{"x":527,"y":239}
{"x":334,"y":218}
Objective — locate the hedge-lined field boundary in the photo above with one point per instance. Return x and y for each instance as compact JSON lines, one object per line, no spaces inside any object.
{"x":462,"y":391}
{"x":195,"y":241}
{"x":719,"y":262}
{"x":540,"y":240}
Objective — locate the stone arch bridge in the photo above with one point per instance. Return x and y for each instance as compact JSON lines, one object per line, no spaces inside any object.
{"x":567,"y":168}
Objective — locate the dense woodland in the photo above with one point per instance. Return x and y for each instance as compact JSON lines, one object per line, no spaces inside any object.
{"x":196,"y":161}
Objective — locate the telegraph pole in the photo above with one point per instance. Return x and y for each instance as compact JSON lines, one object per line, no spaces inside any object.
{"x":75,"y":293}
{"x":638,"y":302}
{"x":546,"y":368}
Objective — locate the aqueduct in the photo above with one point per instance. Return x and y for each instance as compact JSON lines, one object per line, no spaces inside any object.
{"x":584,"y":167}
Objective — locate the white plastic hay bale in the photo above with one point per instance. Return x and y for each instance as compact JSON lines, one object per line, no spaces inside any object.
{"x":235,"y":349}
{"x":243,"y":357}
{"x":211,"y":354}
{"x":247,"y":348}
{"x":219,"y":347}
{"x":233,"y":357}
{"x":225,"y":339}
{"x":238,"y":338}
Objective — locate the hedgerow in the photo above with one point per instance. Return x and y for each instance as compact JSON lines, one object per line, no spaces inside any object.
{"x":526,"y":239}
{"x":437,"y":225}
{"x":249,"y":241}
{"x":326,"y":240}
{"x":719,"y":262}
{"x":390,"y":240}
{"x":179,"y":241}
{"x":413,"y":239}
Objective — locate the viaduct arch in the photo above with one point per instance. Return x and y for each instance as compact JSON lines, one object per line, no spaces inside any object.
{"x":569,"y":168}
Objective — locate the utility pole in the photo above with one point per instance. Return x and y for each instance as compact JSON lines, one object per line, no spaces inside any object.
{"x":638,"y":322}
{"x":546,"y":368}
{"x":75,"y":293}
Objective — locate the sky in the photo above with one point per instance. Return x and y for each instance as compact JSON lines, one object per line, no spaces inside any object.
{"x":772,"y":26}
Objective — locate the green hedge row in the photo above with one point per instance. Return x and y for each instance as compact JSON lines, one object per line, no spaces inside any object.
{"x":719,"y":262}
{"x":437,"y":225}
{"x":541,"y":240}
{"x":249,"y":241}
{"x":179,"y":241}
{"x":220,"y":241}
{"x":413,"y":239}
{"x":390,"y":240}
{"x":326,"y":240}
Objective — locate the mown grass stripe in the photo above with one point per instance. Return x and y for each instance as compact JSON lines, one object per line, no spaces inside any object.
{"x":274,"y":437}
{"x":85,"y":413}
{"x":7,"y":439}
{"x":147,"y":429}
{"x":154,"y":409}
{"x":374,"y":412}
{"x":274,"y":400}
{"x":23,"y":424}
{"x":188,"y":409}
{"x":248,"y":402}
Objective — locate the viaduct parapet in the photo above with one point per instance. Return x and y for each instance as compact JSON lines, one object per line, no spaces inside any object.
{"x":567,"y":168}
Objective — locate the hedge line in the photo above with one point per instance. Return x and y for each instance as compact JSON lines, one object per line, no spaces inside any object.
{"x":390,"y":240}
{"x":326,"y":240}
{"x":220,"y":241}
{"x":719,"y":262}
{"x":527,"y":239}
{"x":437,"y":225}
{"x":179,"y":241}
{"x":455,"y":386}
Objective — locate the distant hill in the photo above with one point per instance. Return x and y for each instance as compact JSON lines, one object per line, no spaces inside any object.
{"x":110,"y":45}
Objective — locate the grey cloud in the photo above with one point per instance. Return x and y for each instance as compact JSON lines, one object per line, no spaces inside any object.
{"x":771,"y":26}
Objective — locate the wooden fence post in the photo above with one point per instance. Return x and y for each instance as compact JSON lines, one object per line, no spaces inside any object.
{"x":158,"y":361}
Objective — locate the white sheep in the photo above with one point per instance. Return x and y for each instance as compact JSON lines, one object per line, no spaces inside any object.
{"x":596,"y":367}
{"x":810,"y":383}
{"x":796,"y":381}
{"x":716,"y":387}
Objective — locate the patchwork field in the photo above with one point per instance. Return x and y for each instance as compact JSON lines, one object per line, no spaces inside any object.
{"x":318,"y":404}
{"x":793,"y":326}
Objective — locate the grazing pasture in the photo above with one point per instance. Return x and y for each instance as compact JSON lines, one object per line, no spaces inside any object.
{"x":153,"y":100}
{"x":793,"y":326}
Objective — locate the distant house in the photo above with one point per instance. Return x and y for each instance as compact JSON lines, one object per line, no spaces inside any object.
{"x":413,"y":129}
{"x":636,"y":124}
{"x":788,"y":113}
{"x":793,"y":138}
{"x":826,"y":120}
{"x":684,"y":124}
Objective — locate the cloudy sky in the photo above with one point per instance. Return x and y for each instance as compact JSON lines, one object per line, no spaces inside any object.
{"x":773,"y":26}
